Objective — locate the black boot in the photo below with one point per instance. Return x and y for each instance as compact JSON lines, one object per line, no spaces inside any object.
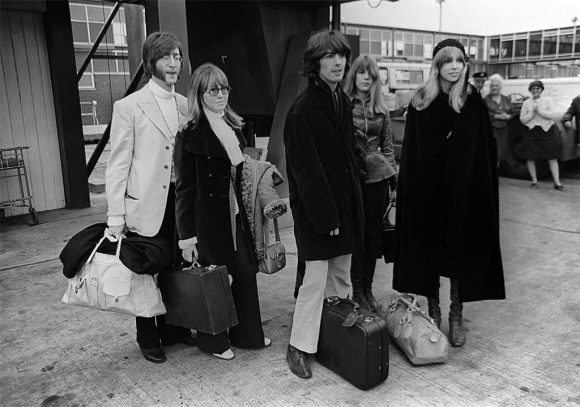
{"x":358,"y":294}
{"x":369,"y":273}
{"x":456,"y":331}
{"x":356,"y":277}
{"x":434,"y":310}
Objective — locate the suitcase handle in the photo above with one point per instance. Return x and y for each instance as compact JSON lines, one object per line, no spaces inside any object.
{"x":334,"y":300}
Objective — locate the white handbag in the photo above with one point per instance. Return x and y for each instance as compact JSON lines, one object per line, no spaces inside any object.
{"x":104,"y":283}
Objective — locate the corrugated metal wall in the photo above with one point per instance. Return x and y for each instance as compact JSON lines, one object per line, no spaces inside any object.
{"x":27,"y":115}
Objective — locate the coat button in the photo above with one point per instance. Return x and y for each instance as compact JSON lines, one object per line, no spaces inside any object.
{"x":166,"y":166}
{"x":164,"y":186}
{"x":167,"y":147}
{"x":210,"y":175}
{"x":210,"y":194}
{"x":208,"y":157}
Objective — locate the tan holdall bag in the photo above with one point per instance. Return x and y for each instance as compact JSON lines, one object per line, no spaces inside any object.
{"x":414,"y":331}
{"x":104,"y":283}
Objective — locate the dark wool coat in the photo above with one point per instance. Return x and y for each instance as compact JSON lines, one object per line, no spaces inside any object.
{"x":202,"y":206}
{"x":140,"y":254}
{"x":447,"y":221}
{"x":323,"y":178}
{"x":574,"y":111}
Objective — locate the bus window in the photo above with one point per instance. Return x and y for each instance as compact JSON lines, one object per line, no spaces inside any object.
{"x":408,"y":77}
{"x":384,"y":75}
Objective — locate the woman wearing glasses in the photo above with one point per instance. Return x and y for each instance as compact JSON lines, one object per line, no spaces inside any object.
{"x":212,"y":223}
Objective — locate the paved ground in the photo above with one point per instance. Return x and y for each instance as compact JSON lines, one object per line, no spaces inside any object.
{"x":524,"y":351}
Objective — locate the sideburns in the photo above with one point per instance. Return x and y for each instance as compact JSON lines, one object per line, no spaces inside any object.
{"x":158,"y":74}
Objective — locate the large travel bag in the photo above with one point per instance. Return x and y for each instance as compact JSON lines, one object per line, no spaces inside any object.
{"x":353,"y":343}
{"x":199,"y":298}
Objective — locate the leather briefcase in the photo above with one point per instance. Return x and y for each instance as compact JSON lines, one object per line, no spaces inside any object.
{"x":353,"y":343}
{"x":199,"y":298}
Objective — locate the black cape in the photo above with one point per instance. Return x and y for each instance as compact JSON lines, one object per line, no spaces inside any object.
{"x":447,"y":221}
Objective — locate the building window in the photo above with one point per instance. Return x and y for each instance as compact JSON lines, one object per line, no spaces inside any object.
{"x":386,"y":43}
{"x":550,"y":45}
{"x":87,"y":81}
{"x":119,"y":34}
{"x":494,"y":48}
{"x":472,"y":50}
{"x":535,"y":45}
{"x":408,"y":44}
{"x":375,"y":42}
{"x":577,"y":45}
{"x":427,"y":46}
{"x":521,"y":45}
{"x":507,"y":48}
{"x":565,"y":43}
{"x":399,"y":44}
{"x":480,"y":50}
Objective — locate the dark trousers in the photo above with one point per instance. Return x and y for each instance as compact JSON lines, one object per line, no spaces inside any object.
{"x":375,"y":201}
{"x":248,"y":333}
{"x":151,"y":330}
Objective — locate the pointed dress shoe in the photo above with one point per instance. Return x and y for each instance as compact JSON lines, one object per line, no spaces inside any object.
{"x":298,"y":363}
{"x":155,"y":355}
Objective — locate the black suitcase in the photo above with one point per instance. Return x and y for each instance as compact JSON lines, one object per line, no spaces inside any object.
{"x":353,"y":343}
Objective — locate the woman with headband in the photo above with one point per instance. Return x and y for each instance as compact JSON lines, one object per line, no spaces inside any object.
{"x":447,"y":198}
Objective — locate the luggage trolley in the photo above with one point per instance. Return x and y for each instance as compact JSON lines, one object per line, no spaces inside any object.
{"x":12,"y":164}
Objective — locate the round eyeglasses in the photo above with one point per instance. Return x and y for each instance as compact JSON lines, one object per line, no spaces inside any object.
{"x":167,"y":58}
{"x":214,"y":91}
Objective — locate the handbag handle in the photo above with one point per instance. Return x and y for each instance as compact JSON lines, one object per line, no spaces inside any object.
{"x":390,"y":206}
{"x":117,"y":252}
{"x":267,"y":232}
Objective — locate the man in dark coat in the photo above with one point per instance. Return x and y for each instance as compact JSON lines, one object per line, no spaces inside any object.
{"x":324,"y":189}
{"x":573,"y":112}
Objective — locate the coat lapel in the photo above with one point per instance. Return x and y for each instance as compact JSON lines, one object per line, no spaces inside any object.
{"x":153,"y":112}
{"x":202,"y":140}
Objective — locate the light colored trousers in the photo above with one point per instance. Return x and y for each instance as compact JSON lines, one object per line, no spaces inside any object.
{"x":323,"y":278}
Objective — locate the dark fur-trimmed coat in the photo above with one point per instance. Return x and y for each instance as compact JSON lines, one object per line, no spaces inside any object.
{"x":322,"y":175}
{"x":447,"y":221}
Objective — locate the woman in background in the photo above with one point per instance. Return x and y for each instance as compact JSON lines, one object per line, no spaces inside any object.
{"x":376,"y":160}
{"x":447,"y":198}
{"x":499,"y":108}
{"x":211,"y":220}
{"x":541,"y":141}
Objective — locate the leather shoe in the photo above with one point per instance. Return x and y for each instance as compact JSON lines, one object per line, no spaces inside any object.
{"x":155,"y":355}
{"x":187,"y":339}
{"x":298,"y":363}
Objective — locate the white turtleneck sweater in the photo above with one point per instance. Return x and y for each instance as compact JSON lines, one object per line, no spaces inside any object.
{"x":168,"y":105}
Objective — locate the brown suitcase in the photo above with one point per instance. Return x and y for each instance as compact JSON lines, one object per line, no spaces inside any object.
{"x":198,"y":298}
{"x":353,"y":343}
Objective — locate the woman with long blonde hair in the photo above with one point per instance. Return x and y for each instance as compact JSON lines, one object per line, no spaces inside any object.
{"x":447,"y":221}
{"x":376,"y":161}
{"x":211,"y":220}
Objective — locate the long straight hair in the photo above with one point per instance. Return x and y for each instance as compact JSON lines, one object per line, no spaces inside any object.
{"x":427,"y":92}
{"x":205,"y":77}
{"x":363,"y":64}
